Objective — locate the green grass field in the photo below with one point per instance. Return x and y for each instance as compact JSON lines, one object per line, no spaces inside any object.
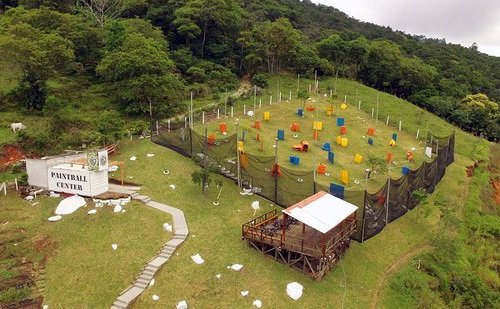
{"x":72,"y":260}
{"x":98,"y":274}
{"x":215,"y":235}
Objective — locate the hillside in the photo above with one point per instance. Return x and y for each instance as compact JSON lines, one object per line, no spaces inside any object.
{"x":79,"y":79}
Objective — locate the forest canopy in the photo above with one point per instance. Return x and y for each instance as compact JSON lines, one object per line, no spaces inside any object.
{"x":204,"y":46}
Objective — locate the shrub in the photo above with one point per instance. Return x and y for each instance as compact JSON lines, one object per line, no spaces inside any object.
{"x":260,"y":80}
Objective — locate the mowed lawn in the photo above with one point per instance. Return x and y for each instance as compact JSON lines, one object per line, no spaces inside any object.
{"x":81,"y":268}
{"x":215,"y":233}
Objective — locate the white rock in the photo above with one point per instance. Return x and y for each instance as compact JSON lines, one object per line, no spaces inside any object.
{"x":197,"y":259}
{"x":257,"y":303}
{"x":114,"y":246}
{"x":167,"y":227}
{"x":236,"y":267}
{"x":52,"y":194}
{"x":69,"y":205}
{"x":156,"y":297}
{"x":172,"y":186}
{"x":113,"y":168}
{"x":152,"y":282}
{"x":117,"y":208}
{"x":29,"y":198}
{"x":294,"y":290}
{"x":124,"y":210}
{"x":182,"y":305}
{"x":45,"y":307}
{"x":150,"y":155}
{"x":54,"y":218}
{"x":256,"y":205}
{"x":250,"y":113}
{"x":92,"y":212}
{"x":218,"y":276}
{"x":133,"y":158}
{"x":244,"y":293}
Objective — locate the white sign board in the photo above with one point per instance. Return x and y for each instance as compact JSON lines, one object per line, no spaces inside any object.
{"x":68,"y":179}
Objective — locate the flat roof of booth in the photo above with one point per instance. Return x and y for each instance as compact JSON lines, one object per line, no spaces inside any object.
{"x":321,"y":211}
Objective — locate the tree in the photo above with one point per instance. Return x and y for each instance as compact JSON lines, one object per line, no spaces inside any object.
{"x":303,"y":95}
{"x":477,"y":113}
{"x":109,"y":125}
{"x":59,"y":5}
{"x":215,"y":22}
{"x":140,"y":74}
{"x":38,"y":56}
{"x":102,"y":10}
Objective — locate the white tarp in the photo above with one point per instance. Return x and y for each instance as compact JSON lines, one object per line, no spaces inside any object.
{"x":197,"y":259}
{"x":69,"y":205}
{"x":428,"y":151}
{"x":294,"y":290}
{"x":321,"y":211}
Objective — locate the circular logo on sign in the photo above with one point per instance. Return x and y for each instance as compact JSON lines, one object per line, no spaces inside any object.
{"x":103,"y":160}
{"x":93,"y":161}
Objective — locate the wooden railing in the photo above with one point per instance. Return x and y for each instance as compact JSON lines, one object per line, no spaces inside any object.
{"x":255,"y":230}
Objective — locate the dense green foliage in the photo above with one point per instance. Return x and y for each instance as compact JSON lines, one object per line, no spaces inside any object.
{"x":461,"y":271}
{"x":148,"y":50}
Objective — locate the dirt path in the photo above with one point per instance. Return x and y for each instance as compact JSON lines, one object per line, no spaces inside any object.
{"x":393,"y":269}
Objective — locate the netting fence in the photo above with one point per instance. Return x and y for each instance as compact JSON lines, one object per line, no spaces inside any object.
{"x":285,"y":186}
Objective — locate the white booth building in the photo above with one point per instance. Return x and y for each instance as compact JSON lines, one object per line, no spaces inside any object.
{"x":85,"y":174}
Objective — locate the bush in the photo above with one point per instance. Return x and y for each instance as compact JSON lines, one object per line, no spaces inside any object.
{"x":260,"y":80}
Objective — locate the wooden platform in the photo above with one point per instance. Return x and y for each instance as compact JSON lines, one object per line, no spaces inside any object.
{"x":298,"y":245}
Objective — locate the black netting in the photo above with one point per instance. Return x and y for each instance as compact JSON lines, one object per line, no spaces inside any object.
{"x":288,"y":186}
{"x":451,"y":149}
{"x":430,"y":176}
{"x":294,"y":186}
{"x":178,"y":140}
{"x":357,"y":198}
{"x":256,"y":171}
{"x":398,"y":197}
{"x":375,"y":213}
{"x":415,"y":182}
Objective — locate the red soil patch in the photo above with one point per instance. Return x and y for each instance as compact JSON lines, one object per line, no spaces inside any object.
{"x":496,"y":186}
{"x":10,"y":154}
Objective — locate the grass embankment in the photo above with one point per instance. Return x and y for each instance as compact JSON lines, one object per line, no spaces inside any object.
{"x":72,"y":261}
{"x":461,"y":269}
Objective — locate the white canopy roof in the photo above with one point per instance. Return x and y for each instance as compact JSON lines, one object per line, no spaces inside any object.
{"x":322,"y":211}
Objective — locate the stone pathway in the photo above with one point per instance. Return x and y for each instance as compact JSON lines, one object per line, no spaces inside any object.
{"x":153,"y":266}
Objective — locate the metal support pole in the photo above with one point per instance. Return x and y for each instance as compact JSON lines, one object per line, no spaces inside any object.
{"x":238,"y":158}
{"x":388,"y":196}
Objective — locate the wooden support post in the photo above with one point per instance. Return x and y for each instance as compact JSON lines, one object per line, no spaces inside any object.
{"x":387,"y":121}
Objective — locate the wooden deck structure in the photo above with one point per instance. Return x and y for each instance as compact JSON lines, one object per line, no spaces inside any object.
{"x":298,"y":245}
